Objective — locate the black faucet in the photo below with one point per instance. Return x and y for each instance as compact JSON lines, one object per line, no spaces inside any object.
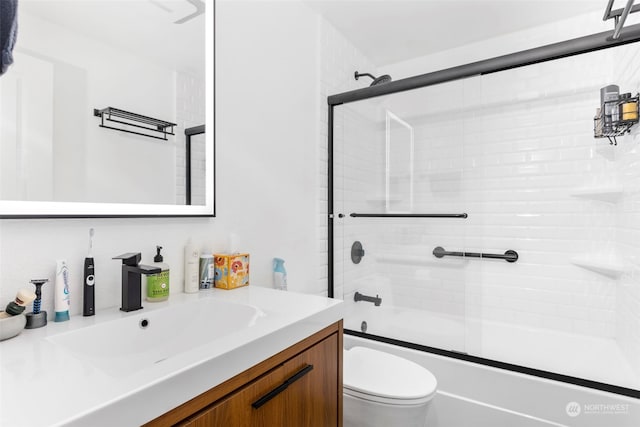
{"x":132,"y":273}
{"x":360,"y":297}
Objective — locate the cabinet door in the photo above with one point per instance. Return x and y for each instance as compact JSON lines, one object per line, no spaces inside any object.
{"x":301,"y":392}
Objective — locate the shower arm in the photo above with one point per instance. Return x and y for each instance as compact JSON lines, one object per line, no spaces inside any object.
{"x":357,"y":75}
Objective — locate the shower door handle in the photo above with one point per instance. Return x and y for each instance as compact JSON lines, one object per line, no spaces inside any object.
{"x":509,"y":256}
{"x":400,"y":215}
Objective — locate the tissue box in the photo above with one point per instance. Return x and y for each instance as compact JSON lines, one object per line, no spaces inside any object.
{"x":231,"y":271}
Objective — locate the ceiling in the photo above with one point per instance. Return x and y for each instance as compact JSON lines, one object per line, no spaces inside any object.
{"x":142,"y":27}
{"x":389,"y":31}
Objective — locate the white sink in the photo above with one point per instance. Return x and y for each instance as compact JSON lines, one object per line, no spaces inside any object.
{"x":138,"y":341}
{"x":192,"y":342}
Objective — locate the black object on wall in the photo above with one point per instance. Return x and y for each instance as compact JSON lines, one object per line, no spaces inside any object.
{"x":156,"y":128}
{"x":356,"y":252}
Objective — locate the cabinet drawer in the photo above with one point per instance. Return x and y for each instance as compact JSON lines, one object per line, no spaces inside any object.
{"x":303,"y":391}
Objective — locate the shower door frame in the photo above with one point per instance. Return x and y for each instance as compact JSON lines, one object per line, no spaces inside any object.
{"x":573,"y":47}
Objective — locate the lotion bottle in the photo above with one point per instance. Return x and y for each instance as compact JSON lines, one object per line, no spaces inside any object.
{"x":158,"y":284}
{"x":191,"y":265}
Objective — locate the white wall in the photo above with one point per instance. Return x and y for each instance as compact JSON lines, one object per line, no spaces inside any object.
{"x":267,"y":109}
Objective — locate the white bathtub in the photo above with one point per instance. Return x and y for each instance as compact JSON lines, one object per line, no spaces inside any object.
{"x":476,"y":395}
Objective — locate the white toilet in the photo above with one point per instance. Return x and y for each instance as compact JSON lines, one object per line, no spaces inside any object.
{"x":383,"y":390}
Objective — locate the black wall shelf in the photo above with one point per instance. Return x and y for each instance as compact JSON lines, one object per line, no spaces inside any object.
{"x":159,"y":129}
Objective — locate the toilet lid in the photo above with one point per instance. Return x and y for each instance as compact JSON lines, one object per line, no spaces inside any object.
{"x":384,"y":377}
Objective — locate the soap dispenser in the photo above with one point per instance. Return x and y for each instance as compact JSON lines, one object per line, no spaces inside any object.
{"x":158,"y":284}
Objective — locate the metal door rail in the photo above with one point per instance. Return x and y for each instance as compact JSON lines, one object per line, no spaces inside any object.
{"x":598,"y":41}
{"x":380,"y":215}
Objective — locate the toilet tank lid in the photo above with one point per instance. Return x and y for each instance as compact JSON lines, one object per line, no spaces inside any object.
{"x":382,"y":374}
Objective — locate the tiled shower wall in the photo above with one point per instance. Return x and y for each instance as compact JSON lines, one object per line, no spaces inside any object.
{"x":528,"y":152}
{"x":627,"y":172}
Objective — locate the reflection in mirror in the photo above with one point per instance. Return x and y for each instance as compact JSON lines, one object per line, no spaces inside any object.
{"x":194,"y":155}
{"x":399,"y":165}
{"x":73,"y":61}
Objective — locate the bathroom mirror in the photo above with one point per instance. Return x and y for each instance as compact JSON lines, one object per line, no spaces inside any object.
{"x":98,"y":105}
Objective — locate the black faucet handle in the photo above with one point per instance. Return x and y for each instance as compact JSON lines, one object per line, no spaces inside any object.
{"x":131,"y":259}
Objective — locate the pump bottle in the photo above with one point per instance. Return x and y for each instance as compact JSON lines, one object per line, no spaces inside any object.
{"x":157,"y":288}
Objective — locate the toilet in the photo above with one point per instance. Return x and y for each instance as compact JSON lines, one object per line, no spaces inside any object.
{"x":382,"y":390}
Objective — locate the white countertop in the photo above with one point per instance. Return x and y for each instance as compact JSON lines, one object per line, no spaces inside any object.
{"x":44,"y":384}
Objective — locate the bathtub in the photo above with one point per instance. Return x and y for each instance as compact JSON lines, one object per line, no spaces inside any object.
{"x":476,"y":395}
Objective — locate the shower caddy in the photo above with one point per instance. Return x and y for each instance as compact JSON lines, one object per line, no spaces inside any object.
{"x":624,"y":114}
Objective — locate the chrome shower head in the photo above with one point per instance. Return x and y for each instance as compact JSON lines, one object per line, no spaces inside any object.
{"x":386,"y":78}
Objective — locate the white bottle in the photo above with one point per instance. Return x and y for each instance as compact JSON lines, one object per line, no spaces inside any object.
{"x":62,"y":302}
{"x":191,"y":265}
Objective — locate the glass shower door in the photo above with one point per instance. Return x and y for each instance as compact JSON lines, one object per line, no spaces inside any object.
{"x":397,"y":197}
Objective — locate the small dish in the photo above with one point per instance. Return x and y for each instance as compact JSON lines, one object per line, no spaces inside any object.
{"x":12,"y":326}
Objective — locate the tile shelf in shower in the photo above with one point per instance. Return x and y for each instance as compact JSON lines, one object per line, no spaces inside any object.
{"x":607,"y":266}
{"x":607,"y":194}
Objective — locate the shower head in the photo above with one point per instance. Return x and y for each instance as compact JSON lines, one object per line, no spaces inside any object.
{"x":386,"y":78}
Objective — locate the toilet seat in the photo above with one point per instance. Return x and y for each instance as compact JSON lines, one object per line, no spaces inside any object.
{"x":385,"y":378}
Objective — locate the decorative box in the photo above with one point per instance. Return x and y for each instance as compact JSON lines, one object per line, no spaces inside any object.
{"x":231,"y":271}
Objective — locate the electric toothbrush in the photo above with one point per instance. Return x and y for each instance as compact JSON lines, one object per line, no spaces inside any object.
{"x":89,"y":296}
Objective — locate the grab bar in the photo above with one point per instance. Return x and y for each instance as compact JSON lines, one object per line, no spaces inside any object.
{"x":509,"y":256}
{"x":375,"y":215}
{"x":360,"y":297}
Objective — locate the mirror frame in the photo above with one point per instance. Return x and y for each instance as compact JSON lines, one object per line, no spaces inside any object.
{"x":16,"y":209}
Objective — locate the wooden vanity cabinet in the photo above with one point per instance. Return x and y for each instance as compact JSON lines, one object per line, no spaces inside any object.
{"x":299,"y":387}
